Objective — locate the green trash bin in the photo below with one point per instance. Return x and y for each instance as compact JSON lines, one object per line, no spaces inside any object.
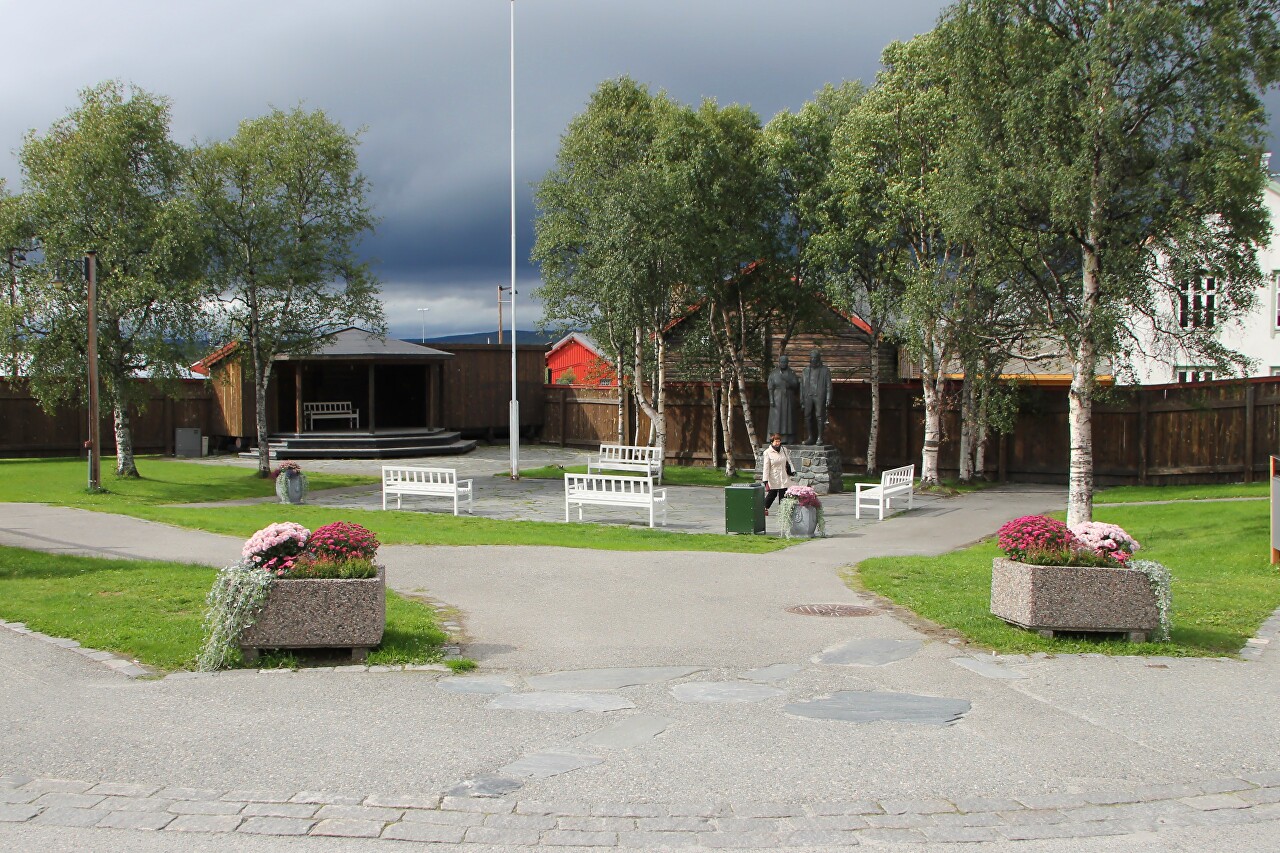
{"x":744,"y":508}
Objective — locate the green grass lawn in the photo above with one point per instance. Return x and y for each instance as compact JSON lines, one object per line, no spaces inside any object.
{"x":395,"y":527}
{"x":153,"y":611}
{"x":164,"y":481}
{"x":1223,"y":586}
{"x":1131,"y":494}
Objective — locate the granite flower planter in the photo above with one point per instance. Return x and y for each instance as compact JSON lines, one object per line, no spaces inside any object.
{"x":318,"y":613}
{"x":1073,"y":598}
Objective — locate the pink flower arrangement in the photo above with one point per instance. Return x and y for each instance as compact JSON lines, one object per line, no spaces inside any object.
{"x":1105,"y":540}
{"x":288,"y":466}
{"x":1034,"y":534}
{"x":276,"y":547}
{"x":804,"y":495}
{"x":342,"y":541}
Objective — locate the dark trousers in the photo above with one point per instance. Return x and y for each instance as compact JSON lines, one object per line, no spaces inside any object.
{"x":772,"y":495}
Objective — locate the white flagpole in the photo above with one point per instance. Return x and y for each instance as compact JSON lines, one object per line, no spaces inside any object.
{"x":514,"y":417}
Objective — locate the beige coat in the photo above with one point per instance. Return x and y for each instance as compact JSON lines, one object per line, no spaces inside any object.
{"x":774,"y":463}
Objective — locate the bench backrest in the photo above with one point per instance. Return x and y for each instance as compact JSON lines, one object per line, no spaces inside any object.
{"x":903,"y":476}
{"x":395,"y":475}
{"x":327,"y":408}
{"x":609,"y":485}
{"x":628,"y":453}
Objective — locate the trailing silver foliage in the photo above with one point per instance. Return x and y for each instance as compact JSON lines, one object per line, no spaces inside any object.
{"x":1158,"y":576}
{"x":237,"y":596}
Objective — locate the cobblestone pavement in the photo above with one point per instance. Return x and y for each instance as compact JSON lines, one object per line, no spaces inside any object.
{"x":639,"y":701}
{"x":466,"y":821}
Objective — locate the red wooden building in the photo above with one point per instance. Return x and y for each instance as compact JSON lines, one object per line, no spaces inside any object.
{"x":576,"y":360}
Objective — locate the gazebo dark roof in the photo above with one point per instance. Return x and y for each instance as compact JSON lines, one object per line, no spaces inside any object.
{"x":354,"y":344}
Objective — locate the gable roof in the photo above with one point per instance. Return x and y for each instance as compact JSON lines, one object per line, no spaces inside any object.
{"x":581,"y":339}
{"x":349,"y":344}
{"x":848,"y":316}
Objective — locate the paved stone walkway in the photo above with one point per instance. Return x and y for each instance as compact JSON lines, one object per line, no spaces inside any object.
{"x":640,"y":701}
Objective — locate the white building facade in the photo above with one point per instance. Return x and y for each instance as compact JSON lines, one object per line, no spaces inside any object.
{"x":1256,"y":335}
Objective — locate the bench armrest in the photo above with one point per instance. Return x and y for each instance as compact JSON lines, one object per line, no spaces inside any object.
{"x":467,"y":484}
{"x":662,"y":492}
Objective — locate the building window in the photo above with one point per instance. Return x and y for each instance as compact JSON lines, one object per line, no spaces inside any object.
{"x":1194,"y":374}
{"x":1196,"y":303}
{"x":1275,"y":370}
{"x":1275,"y":298}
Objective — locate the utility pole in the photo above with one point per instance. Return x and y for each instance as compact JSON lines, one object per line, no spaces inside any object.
{"x":95,"y":450}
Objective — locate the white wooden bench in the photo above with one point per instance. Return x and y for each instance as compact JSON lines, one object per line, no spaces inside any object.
{"x":894,"y":483}
{"x":341,"y":411}
{"x":627,"y":457}
{"x":613,"y":490}
{"x":401,"y":480}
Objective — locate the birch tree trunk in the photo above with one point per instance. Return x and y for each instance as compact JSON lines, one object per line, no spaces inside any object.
{"x":125,"y":466}
{"x":1084,"y":363}
{"x":261,"y":380}
{"x":931,"y":374}
{"x":656,"y":410}
{"x":716,"y":424}
{"x":967,"y":431}
{"x":726,"y":418}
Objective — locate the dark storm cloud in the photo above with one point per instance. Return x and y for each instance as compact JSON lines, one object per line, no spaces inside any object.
{"x":427,"y":80}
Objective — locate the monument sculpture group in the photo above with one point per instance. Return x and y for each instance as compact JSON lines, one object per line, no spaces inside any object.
{"x":818,"y":465}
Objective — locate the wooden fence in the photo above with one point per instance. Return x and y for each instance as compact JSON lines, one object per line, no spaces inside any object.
{"x":1195,"y":433}
{"x":27,"y":430}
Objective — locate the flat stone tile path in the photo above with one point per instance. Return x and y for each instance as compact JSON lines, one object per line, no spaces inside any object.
{"x":486,"y":814}
{"x":858,"y":706}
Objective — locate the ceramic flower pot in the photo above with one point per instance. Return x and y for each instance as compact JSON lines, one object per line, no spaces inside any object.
{"x":291,"y":487}
{"x":804,"y":521}
{"x":1073,"y":598}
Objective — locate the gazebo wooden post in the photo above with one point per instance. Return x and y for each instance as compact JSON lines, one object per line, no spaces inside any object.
{"x":297,"y":396}
{"x":428,"y":374}
{"x":373,"y":423}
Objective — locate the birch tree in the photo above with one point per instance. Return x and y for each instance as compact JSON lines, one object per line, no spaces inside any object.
{"x":611,"y":235}
{"x":887,"y":155}
{"x":284,"y":206}
{"x":107,"y":178}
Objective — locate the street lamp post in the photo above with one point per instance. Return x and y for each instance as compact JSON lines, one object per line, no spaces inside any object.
{"x":514,"y":416}
{"x":423,"y":313}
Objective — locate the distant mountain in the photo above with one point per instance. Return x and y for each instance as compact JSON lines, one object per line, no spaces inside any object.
{"x":523,"y":337}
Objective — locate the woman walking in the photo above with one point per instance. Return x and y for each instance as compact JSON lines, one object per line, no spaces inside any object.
{"x":775,"y":471}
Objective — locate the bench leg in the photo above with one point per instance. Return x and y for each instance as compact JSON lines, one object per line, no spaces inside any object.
{"x":455,"y":504}
{"x":384,"y":499}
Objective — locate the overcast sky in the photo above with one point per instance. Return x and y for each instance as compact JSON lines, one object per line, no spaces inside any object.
{"x":428,"y":82}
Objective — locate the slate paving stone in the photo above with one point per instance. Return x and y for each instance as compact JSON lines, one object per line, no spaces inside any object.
{"x":275,"y":826}
{"x":402,"y":801}
{"x":485,"y":685}
{"x":348,"y":828}
{"x":725,"y":692}
{"x":68,"y":816}
{"x":771,"y":673}
{"x":544,"y":765}
{"x":282,"y":810}
{"x":856,"y":706}
{"x":151,"y":821}
{"x":628,"y":733}
{"x":205,"y":807}
{"x":18,"y":795}
{"x":445,"y":818}
{"x":17,"y":813}
{"x":122,"y":789}
{"x":484,"y":786}
{"x":575,"y":838}
{"x":14,"y":780}
{"x":405,"y":831}
{"x":505,"y":837}
{"x":56,"y":786}
{"x":868,"y":652}
{"x":75,"y":801}
{"x":135,"y":804}
{"x":204,"y":823}
{"x":988,"y":669}
{"x":612,"y":678}
{"x":326,"y":798}
{"x":559,"y":703}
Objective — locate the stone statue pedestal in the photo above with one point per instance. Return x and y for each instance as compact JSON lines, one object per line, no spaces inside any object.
{"x":818,"y":466}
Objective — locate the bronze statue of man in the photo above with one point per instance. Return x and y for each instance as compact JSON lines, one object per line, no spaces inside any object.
{"x":783,"y":386}
{"x":815,"y":397}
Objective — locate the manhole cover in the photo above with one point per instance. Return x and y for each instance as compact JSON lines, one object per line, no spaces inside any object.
{"x":831,"y":610}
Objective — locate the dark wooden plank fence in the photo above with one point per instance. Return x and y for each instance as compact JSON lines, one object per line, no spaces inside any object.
{"x":1199,"y":433}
